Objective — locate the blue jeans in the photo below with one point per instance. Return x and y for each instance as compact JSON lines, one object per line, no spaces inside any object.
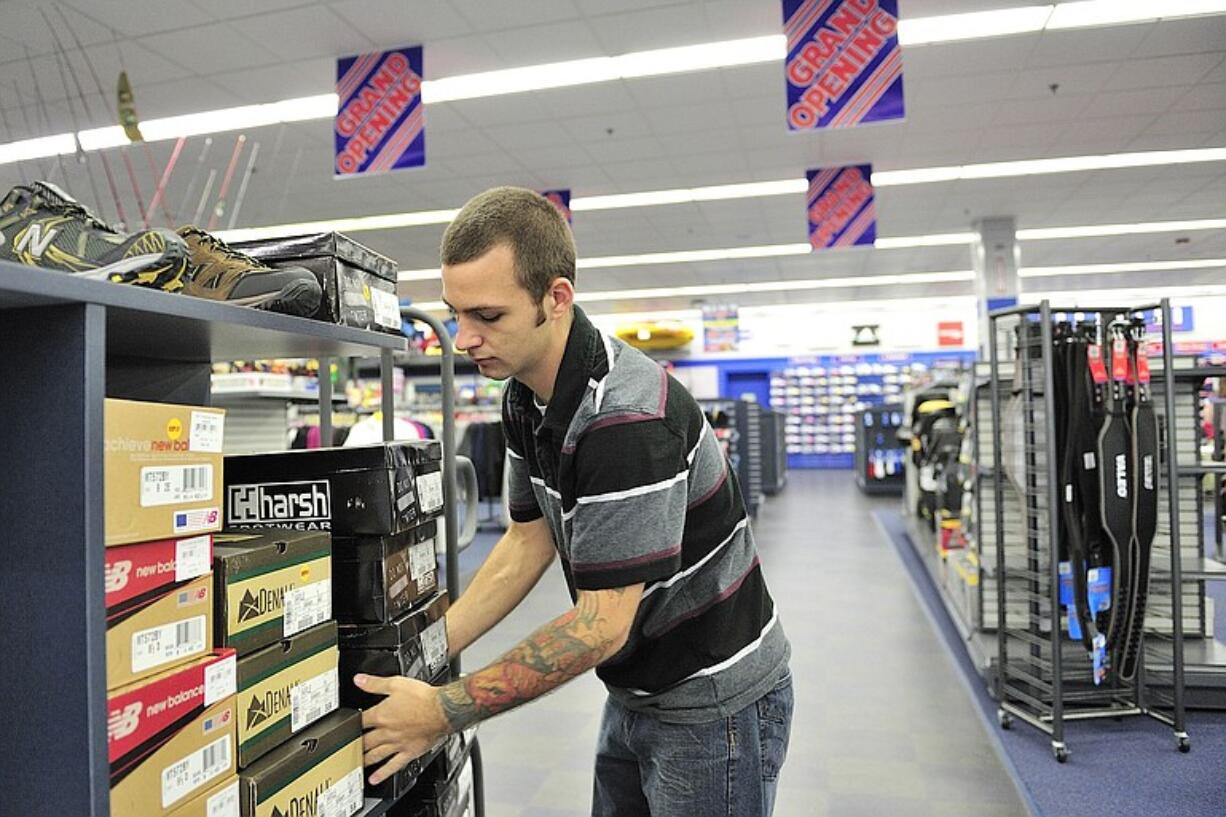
{"x":723,"y":768}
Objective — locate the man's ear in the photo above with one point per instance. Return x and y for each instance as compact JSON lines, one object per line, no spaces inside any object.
{"x":560,"y":298}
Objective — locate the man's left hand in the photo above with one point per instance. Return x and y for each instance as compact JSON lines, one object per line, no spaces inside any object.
{"x":404,"y":725}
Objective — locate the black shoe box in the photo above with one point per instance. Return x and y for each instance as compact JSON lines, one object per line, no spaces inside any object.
{"x":373,"y":490}
{"x":359,"y":284}
{"x":376,"y":579}
{"x":439,"y":795}
{"x":414,"y":645}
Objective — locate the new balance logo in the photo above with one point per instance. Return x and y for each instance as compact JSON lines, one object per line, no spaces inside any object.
{"x":122,"y":723}
{"x":289,"y":504}
{"x":35,"y":240}
{"x":117,"y":576}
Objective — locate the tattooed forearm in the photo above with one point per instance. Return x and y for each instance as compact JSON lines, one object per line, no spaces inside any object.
{"x":563,"y":649}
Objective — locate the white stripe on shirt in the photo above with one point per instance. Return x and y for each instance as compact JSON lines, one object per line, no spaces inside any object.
{"x":701,"y":436}
{"x":614,"y":496}
{"x":676,"y":577}
{"x":538,"y":481}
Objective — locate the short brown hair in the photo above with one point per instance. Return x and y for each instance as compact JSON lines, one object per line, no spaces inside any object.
{"x":538,"y":236}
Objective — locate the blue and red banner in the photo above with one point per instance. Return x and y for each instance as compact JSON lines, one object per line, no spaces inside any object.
{"x":844,"y":66}
{"x":560,"y":200}
{"x":380,"y":123}
{"x":841,"y":208}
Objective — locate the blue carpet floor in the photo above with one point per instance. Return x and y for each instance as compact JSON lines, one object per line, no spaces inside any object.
{"x":1116,"y":769}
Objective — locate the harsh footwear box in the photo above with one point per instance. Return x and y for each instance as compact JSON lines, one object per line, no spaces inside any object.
{"x":219,"y":801}
{"x":377,"y":578}
{"x":162,"y":464}
{"x":318,"y":773}
{"x":159,"y":607}
{"x":270,"y":584}
{"x":172,"y":736}
{"x":359,"y":284}
{"x":372,"y":490}
{"x":414,"y":645}
{"x":284,"y":688}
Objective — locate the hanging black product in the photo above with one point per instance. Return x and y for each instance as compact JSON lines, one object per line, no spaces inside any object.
{"x":1115,"y":483}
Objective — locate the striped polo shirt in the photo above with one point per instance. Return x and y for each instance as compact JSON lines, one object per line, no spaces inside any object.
{"x":635,"y":488}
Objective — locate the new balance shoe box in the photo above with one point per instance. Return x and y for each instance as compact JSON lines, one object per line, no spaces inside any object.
{"x":374,"y":490}
{"x":284,"y":688}
{"x":172,"y":736}
{"x":317,"y":774}
{"x":414,"y":645}
{"x":163,"y":469}
{"x":270,"y":584}
{"x":376,"y":579}
{"x":219,"y":801}
{"x":359,"y":284}
{"x":159,"y":606}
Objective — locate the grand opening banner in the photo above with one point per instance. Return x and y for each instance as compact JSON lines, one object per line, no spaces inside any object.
{"x":842,"y":212}
{"x":380,"y":123}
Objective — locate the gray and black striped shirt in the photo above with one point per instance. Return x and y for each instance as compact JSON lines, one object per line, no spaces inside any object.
{"x":625,"y":469}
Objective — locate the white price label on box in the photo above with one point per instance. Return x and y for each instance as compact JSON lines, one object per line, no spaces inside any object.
{"x":170,"y":642}
{"x":207,"y":431}
{"x":430,"y":492}
{"x":314,"y":698}
{"x":398,"y":587}
{"x":306,"y":606}
{"x":387,"y":308}
{"x":434,"y":646}
{"x":195,"y":770}
{"x":224,"y":803}
{"x":343,"y":798}
{"x":220,"y":680}
{"x":192,"y":558}
{"x":175,"y":484}
{"x":421,"y":560}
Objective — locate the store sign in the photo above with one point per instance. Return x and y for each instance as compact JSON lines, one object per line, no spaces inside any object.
{"x":380,"y":123}
{"x":868,"y":334}
{"x":844,"y":65}
{"x":841,"y":208}
{"x":950,"y":333}
{"x":560,"y":200}
{"x":720,"y":328}
{"x":1181,"y":320}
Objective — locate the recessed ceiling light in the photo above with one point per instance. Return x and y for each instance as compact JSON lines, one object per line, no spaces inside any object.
{"x":1134,"y":266}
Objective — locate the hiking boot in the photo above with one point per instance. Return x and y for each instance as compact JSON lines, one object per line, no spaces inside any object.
{"x":42,"y":226}
{"x":221,"y":273}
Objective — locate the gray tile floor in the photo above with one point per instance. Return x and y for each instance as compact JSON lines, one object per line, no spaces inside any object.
{"x":882,"y":726}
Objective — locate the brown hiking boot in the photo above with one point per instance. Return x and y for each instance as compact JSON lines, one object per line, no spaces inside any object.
{"x":219,"y":272}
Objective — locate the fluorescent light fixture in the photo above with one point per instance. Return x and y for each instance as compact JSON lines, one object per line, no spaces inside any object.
{"x":431,"y":274}
{"x":1115,"y":12}
{"x":972,"y":26}
{"x":686,"y":195}
{"x":37,"y":148}
{"x":933,"y":240}
{"x":389,"y":221}
{"x":1137,"y":266}
{"x":693,"y":256}
{"x":1101,"y":230}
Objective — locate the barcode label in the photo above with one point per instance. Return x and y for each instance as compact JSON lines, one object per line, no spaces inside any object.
{"x":343,"y":798}
{"x":175,"y":485}
{"x":170,"y":642}
{"x":430,"y":492}
{"x":422,"y":560}
{"x":192,"y":558}
{"x":224,"y":803}
{"x":306,"y":606}
{"x":220,"y":680}
{"x":311,"y":700}
{"x":207,"y":432}
{"x":387,"y":308}
{"x":434,"y":646}
{"x":195,"y":770}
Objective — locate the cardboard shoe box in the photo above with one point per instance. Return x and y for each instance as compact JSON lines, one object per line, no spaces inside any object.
{"x":452,"y":799}
{"x":284,"y":688}
{"x":378,"y":578}
{"x":172,"y":736}
{"x":162,"y":465}
{"x":219,"y":801}
{"x":414,"y":645}
{"x":318,"y":773}
{"x":270,"y":584}
{"x":359,"y":284}
{"x":371,"y":490}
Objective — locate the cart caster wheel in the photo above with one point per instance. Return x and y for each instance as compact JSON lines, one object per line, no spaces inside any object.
{"x":1004,"y":719}
{"x":1185,"y":744}
{"x":1060,"y":751}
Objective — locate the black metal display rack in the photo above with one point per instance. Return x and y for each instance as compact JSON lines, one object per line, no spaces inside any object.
{"x":1044,"y":678}
{"x":742,"y":437}
{"x":880,"y":457}
{"x":774,"y":451}
{"x":67,"y":344}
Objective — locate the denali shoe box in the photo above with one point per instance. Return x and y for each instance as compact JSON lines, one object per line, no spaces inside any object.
{"x":284,"y":688}
{"x":317,"y":774}
{"x":270,"y":584}
{"x":162,"y":465}
{"x":158,"y":606}
{"x":377,"y":578}
{"x":359,"y":284}
{"x":172,"y":736}
{"x":219,"y":801}
{"x":414,"y":645}
{"x":371,"y":490}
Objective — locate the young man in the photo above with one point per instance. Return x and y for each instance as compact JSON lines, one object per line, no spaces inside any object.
{"x":615,"y":469}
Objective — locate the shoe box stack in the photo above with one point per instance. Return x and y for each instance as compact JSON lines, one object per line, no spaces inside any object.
{"x":445,"y":787}
{"x":381,"y":505}
{"x":359,"y":284}
{"x":171,"y":712}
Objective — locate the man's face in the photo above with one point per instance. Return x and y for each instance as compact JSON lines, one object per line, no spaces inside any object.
{"x":500,"y":326}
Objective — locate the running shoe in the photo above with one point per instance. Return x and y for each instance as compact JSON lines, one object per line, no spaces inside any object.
{"x":221,"y":273}
{"x":42,"y":226}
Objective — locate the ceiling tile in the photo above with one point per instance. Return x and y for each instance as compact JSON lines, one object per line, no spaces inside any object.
{"x":486,"y":16}
{"x":1163,"y":72}
{"x":317,"y":31}
{"x":662,"y":27}
{"x":554,"y":42}
{"x":1203,"y":97}
{"x":1086,"y":45}
{"x":1192,"y":36}
{"x":207,"y":49}
{"x":407,"y":23}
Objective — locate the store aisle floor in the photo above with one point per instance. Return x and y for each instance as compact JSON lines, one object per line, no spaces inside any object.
{"x":883,"y":727}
